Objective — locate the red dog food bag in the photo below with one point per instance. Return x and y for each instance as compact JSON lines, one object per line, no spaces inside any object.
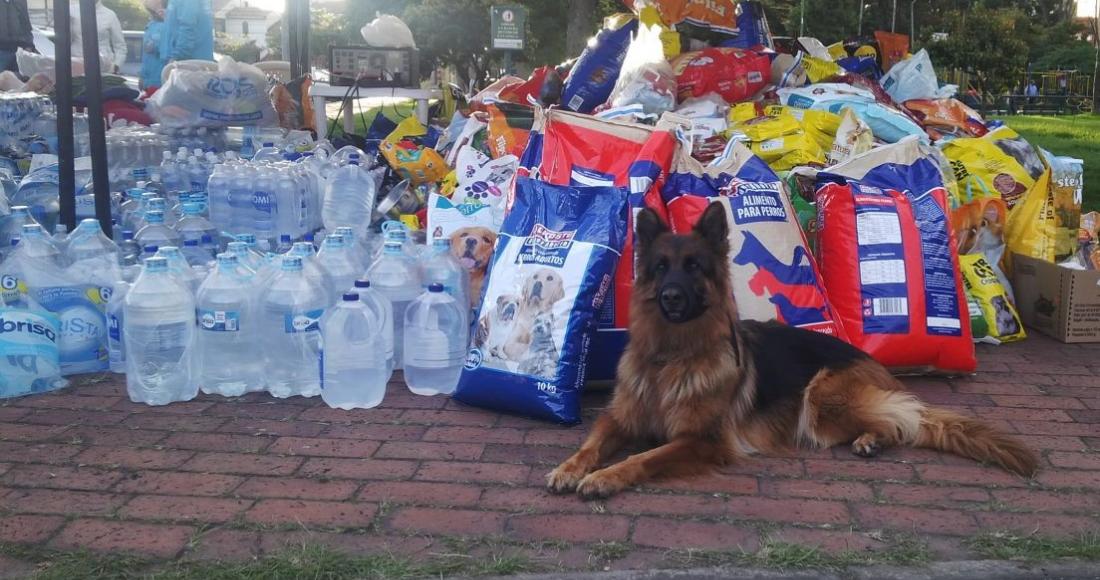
{"x":888,"y":259}
{"x":772,"y":271}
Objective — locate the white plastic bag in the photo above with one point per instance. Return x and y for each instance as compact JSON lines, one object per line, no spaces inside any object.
{"x":646,"y":77}
{"x":388,"y":31}
{"x":914,"y":78}
{"x":235,"y":94}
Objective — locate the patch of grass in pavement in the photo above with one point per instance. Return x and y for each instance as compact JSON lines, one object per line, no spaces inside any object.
{"x":1033,"y":548}
{"x":609,"y":551}
{"x":903,"y":551}
{"x":1070,"y":135}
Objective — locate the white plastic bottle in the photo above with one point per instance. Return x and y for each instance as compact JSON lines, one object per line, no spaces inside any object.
{"x":382,"y":310}
{"x":291,"y":306}
{"x":230,"y":361}
{"x":440,"y":266}
{"x":397,"y":279}
{"x":354,"y":371}
{"x":435,"y":348}
{"x":116,"y":345}
{"x":158,"y":333}
{"x":335,"y":257}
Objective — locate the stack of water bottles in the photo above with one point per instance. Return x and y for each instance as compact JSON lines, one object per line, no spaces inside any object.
{"x":18,"y":113}
{"x":133,"y":156}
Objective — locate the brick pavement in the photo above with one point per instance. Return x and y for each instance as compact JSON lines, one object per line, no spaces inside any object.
{"x":228,"y":479}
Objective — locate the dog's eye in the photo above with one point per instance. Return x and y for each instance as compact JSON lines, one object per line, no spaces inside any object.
{"x":485,"y":239}
{"x":662,"y":266}
{"x":464,"y":236}
{"x":691,"y":265}
{"x":550,"y":278}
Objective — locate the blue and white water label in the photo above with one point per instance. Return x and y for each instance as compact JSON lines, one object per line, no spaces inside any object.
{"x":220,"y":320}
{"x":294,"y":322}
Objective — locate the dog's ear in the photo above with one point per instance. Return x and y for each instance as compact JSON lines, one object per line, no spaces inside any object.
{"x":648,"y":226}
{"x":713,"y":229}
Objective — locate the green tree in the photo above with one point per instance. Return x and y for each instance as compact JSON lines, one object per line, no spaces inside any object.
{"x":985,"y":43}
{"x":326,"y":28}
{"x":131,"y":13}
{"x":239,"y":51}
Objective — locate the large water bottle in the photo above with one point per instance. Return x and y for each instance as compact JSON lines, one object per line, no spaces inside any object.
{"x":435,"y":343}
{"x":228,"y":343}
{"x":440,"y":266}
{"x":87,"y":241}
{"x":130,"y":208}
{"x":158,"y":332}
{"x":239,"y":198}
{"x":196,"y":255}
{"x":349,"y":198}
{"x":335,"y":257}
{"x":382,"y":310}
{"x":291,"y":306}
{"x":313,"y":268}
{"x":217,"y":196}
{"x":155,"y":232}
{"x":170,"y":173}
{"x":116,"y":349}
{"x":245,"y":257}
{"x":395,"y":276}
{"x":291,"y":205}
{"x":129,"y":251}
{"x":178,"y":267}
{"x":354,"y":371}
{"x":264,"y":204}
{"x":269,"y":153}
{"x":356,"y":244}
{"x":192,"y":226}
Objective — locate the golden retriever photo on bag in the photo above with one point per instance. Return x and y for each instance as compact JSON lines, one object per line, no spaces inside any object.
{"x":710,"y":390}
{"x":518,"y":335}
{"x":473,"y":247}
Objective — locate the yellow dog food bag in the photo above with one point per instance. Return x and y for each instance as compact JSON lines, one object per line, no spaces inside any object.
{"x":405,"y":152}
{"x":986,"y":290}
{"x":988,"y":162}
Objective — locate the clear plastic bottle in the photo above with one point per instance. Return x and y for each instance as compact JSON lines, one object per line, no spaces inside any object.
{"x":131,"y":207}
{"x":87,"y":241}
{"x":195,"y":254}
{"x":397,"y":279}
{"x":291,"y":306}
{"x":178,"y":267}
{"x":155,"y":232}
{"x":284,"y":245}
{"x":170,"y":173}
{"x":383,"y":310}
{"x":269,"y":153}
{"x":354,"y":371}
{"x":116,"y":346}
{"x":245,"y":257}
{"x":356,"y":243}
{"x":440,"y":266}
{"x":435,"y":349}
{"x":349,"y":198}
{"x":158,"y":333}
{"x":335,"y":257}
{"x":192,"y":226}
{"x":228,"y":343}
{"x":196,"y":173}
{"x":313,"y":268}
{"x":129,"y":251}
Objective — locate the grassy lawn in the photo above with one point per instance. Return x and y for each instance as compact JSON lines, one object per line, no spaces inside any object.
{"x":1073,"y":136}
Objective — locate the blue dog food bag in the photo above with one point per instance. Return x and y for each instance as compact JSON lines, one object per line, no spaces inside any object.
{"x":29,"y":352}
{"x":553,"y":266}
{"x":593,"y":76}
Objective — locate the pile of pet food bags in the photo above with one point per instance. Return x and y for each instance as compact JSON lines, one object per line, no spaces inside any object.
{"x":864,"y":200}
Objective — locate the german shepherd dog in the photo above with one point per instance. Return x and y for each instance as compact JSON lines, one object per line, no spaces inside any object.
{"x":708,"y":389}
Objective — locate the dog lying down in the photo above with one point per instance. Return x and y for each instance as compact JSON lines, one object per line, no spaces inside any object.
{"x":711,"y":389}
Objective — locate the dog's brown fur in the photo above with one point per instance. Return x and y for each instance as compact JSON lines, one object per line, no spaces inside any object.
{"x":693,"y":388}
{"x":479,"y":248}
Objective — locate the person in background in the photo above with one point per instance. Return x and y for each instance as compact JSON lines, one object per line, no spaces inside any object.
{"x":15,"y":32}
{"x":188,"y":31}
{"x":151,"y":62}
{"x":112,"y":44}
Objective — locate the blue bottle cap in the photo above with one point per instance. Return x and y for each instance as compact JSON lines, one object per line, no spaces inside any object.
{"x":190,"y":243}
{"x":436,"y":287}
{"x":351,"y":297}
{"x":206,"y":239}
{"x":150,"y":249}
{"x":362,"y":283}
{"x":127,"y":235}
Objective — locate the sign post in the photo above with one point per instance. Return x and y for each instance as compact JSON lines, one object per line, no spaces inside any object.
{"x":508,"y":30}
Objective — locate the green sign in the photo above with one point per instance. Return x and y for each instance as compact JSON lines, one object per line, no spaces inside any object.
{"x":508,"y":26}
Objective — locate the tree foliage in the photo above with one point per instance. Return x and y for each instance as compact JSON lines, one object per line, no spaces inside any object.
{"x":986,"y":43}
{"x":131,"y":13}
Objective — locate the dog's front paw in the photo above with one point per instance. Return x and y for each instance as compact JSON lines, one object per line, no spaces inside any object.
{"x":600,"y":485}
{"x":564,"y":478}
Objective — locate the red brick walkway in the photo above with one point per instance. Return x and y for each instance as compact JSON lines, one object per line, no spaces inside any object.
{"x":217,"y":478}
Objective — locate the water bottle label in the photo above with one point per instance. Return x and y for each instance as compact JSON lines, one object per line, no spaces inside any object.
{"x":220,"y":320}
{"x":140,"y":174}
{"x":83,"y":325}
{"x":262,"y":201}
{"x":302,"y":321}
{"x":198,"y":186}
{"x":171,"y":340}
{"x":114,"y":328}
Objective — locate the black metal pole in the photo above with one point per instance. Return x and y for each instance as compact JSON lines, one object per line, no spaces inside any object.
{"x":93,"y":93}
{"x":63,"y":71}
{"x":298,"y":22}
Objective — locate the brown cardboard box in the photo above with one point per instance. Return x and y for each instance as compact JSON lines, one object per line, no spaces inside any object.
{"x":1060,"y":302}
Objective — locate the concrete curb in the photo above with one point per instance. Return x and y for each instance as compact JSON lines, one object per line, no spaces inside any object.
{"x":961,"y":570}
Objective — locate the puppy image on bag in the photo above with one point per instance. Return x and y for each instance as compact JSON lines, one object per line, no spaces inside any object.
{"x":472,"y":247}
{"x":551,"y":270}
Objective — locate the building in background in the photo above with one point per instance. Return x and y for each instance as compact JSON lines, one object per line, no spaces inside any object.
{"x":241,"y":21}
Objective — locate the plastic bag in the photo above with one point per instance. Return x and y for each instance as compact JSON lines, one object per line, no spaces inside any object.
{"x":789,"y":151}
{"x":983,"y":164}
{"x":407,"y":154}
{"x":29,"y":352}
{"x":594,"y":75}
{"x":787,"y":71}
{"x":509,"y":129}
{"x":984,"y":287}
{"x":772,"y":273}
{"x":734,"y":74}
{"x":821,"y":125}
{"x":942,"y":117}
{"x":1041,"y":225}
{"x":887,"y":124}
{"x":714,"y":18}
{"x":816,"y":95}
{"x":887,"y":256}
{"x":914,"y":78}
{"x":819,"y":69}
{"x":551,"y":269}
{"x":853,"y":137}
{"x":892,"y":48}
{"x":483,"y":181}
{"x":236,"y":94}
{"x":388,"y":31}
{"x":646,"y":77}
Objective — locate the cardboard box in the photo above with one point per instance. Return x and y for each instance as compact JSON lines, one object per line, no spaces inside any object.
{"x":1060,"y":302}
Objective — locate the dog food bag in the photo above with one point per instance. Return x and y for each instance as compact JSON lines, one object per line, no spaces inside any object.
{"x":888,"y":260}
{"x":773,"y":273}
{"x":733,"y":74}
{"x":552,"y":267}
{"x":407,"y":152}
{"x":29,"y":352}
{"x":1000,"y":161}
{"x":594,"y":75}
{"x":985,"y":289}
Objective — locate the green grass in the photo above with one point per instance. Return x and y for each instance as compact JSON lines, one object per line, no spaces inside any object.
{"x":1072,"y":136}
{"x":903,"y":551}
{"x":1036,"y":548}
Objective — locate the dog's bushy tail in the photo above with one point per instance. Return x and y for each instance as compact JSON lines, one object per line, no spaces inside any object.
{"x":951,"y":432}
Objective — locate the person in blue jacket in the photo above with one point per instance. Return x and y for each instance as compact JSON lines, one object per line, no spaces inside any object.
{"x":188,"y":31}
{"x":151,"y":62}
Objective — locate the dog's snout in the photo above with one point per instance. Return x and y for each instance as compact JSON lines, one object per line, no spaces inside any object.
{"x":536,"y":290}
{"x":471,"y":243}
{"x":673,"y":298}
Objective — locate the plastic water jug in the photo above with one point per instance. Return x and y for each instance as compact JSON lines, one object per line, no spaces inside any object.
{"x":158,"y":333}
{"x":354,"y":371}
{"x":435,"y":345}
